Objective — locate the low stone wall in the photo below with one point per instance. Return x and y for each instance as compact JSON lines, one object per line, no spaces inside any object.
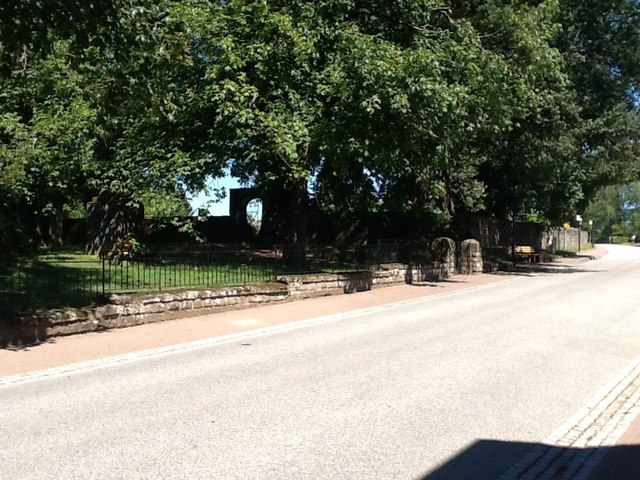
{"x":307,"y":286}
{"x":564,"y":239}
{"x":130,"y":310}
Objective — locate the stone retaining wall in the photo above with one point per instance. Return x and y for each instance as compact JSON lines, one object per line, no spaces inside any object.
{"x":564,"y":239}
{"x":130,"y":310}
{"x":307,"y":286}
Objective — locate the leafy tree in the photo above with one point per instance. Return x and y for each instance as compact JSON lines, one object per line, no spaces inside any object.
{"x":528,"y":167}
{"x":600,"y":42}
{"x":615,"y":210}
{"x":83,"y":104}
{"x":574,"y":77}
{"x":377,"y":108}
{"x":511,"y":107}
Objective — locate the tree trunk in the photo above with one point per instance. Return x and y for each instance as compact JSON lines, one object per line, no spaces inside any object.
{"x":299,"y":213}
{"x":294,"y":254}
{"x":110,"y":221}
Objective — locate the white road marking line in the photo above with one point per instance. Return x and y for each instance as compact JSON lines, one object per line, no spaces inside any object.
{"x":91,"y":365}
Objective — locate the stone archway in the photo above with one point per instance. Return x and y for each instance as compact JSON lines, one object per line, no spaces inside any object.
{"x":239,"y":198}
{"x":254,"y":213}
{"x":241,"y":210}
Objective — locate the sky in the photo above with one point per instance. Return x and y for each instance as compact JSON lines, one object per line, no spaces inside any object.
{"x":218,"y":209}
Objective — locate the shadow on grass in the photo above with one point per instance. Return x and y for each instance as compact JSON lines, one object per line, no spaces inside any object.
{"x":494,"y":459}
{"x":33,"y":286}
{"x":84,"y":283}
{"x":50,"y":285}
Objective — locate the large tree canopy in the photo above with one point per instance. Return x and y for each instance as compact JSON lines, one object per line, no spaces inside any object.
{"x":83,"y":93}
{"x":601,"y":44}
{"x":423,"y":106}
{"x":380,"y":108}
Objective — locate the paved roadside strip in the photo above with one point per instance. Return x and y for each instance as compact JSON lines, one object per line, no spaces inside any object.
{"x":583,"y":442}
{"x":89,"y":365}
{"x":91,"y":346}
{"x":600,"y":442}
{"x":623,"y":462}
{"x":61,"y":351}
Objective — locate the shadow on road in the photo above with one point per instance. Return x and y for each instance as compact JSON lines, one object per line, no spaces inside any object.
{"x":494,"y":459}
{"x":531,"y":269}
{"x":16,"y":338}
{"x":436,"y":284}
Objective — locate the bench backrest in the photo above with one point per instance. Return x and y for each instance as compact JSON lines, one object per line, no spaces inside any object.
{"x":524,"y":249}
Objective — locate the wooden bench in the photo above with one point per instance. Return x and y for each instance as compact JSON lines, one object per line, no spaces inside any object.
{"x":526,"y":252}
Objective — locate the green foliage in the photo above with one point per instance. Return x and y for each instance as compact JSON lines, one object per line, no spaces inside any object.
{"x":159,"y":205}
{"x":601,"y":46}
{"x":83,"y":99}
{"x":615,"y":210}
{"x":73,"y":279}
{"x":619,"y":239}
{"x":394,"y":110}
{"x":512,"y":108}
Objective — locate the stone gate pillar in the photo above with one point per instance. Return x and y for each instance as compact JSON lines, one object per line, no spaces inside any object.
{"x":444,"y":250}
{"x":471,"y":257}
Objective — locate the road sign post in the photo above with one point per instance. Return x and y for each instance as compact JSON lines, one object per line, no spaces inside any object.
{"x":579,"y":220}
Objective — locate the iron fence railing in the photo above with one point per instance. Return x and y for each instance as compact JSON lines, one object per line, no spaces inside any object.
{"x":334,"y":259}
{"x":66,"y":281}
{"x":49,"y":284}
{"x":59,"y":283}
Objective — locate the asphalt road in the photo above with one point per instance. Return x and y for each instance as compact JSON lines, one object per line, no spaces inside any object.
{"x":447,"y":387}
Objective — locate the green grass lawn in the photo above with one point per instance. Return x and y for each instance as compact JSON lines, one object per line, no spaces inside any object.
{"x":67,"y":278}
{"x":572,"y":251}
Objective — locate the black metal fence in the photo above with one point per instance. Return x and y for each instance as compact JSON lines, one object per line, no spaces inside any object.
{"x":69,"y":281}
{"x":303,"y":259}
{"x":76,"y":283}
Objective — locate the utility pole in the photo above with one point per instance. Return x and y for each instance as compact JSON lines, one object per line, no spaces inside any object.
{"x":579,"y":220}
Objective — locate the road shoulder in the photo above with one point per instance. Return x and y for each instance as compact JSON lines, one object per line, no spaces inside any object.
{"x":92,"y":346}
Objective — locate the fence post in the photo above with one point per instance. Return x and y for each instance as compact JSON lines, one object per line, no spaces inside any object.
{"x":103,"y":274}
